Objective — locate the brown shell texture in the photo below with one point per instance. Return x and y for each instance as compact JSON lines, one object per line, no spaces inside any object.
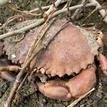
{"x":72,"y":49}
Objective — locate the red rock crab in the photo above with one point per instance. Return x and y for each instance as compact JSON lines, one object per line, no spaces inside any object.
{"x":72,"y":51}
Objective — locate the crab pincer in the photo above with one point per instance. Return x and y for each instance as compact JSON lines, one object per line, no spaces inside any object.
{"x":73,"y":88}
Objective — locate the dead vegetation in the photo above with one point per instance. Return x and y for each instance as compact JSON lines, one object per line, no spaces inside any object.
{"x":24,"y":16}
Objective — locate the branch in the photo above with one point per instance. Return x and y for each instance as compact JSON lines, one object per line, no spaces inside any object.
{"x":47,"y":7}
{"x":80,"y":98}
{"x":77,"y":11}
{"x":11,"y":68}
{"x":102,"y":12}
{"x":42,"y":20}
{"x":3,"y":2}
{"x":52,"y":9}
{"x":37,"y":9}
{"x":38,"y":46}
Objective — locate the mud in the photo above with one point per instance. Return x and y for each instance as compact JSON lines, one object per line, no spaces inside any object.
{"x":28,"y":97}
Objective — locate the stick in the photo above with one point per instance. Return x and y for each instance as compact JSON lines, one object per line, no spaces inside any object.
{"x":3,"y":2}
{"x":37,"y":9}
{"x":20,"y":74}
{"x":42,"y":20}
{"x":9,"y":68}
{"x":52,"y":9}
{"x":57,"y":3}
{"x":68,"y":5}
{"x":77,"y":11}
{"x":90,"y":14}
{"x":21,"y":84}
{"x":102,"y":12}
{"x":47,"y":7}
{"x":80,"y":98}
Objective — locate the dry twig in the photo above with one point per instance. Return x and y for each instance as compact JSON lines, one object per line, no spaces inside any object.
{"x":90,"y":14}
{"x":68,"y":5}
{"x":42,"y":20}
{"x":77,"y":11}
{"x":23,"y":13}
{"x":38,"y":47}
{"x":80,"y":98}
{"x":102,"y":12}
{"x":9,"y":68}
{"x":37,"y":9}
{"x":52,"y":9}
{"x":45,"y":7}
{"x":24,"y":79}
{"x":9,"y":20}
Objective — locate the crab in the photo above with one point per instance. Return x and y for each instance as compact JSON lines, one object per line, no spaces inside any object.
{"x":72,"y":54}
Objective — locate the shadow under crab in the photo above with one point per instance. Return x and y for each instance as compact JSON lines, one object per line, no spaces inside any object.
{"x":73,"y":50}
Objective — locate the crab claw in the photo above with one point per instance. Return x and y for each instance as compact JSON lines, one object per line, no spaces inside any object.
{"x":73,"y":88}
{"x":82,"y":83}
{"x":103,"y":63}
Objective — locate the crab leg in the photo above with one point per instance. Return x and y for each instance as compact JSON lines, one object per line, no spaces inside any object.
{"x":103,"y":63}
{"x":102,"y":59}
{"x":5,"y":67}
{"x":4,"y":72}
{"x":75,"y":87}
{"x":6,"y":76}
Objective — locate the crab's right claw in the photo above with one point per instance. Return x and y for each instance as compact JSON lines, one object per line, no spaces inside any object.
{"x":82,"y":83}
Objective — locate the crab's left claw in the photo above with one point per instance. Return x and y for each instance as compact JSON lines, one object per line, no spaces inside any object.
{"x":103,"y":63}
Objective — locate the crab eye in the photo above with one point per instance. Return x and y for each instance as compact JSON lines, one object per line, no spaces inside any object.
{"x":99,"y":33}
